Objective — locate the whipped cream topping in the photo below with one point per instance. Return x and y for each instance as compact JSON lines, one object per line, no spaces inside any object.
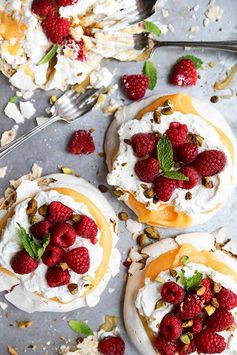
{"x":148,"y":296}
{"x":23,"y":51}
{"x":123,"y":174}
{"x":35,"y":281}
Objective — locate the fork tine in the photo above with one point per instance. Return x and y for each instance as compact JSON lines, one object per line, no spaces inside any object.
{"x":142,"y":41}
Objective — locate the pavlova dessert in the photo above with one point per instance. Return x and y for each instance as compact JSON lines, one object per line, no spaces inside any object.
{"x":171,"y":159}
{"x":184,"y":301}
{"x":52,"y":44}
{"x":57,"y":244}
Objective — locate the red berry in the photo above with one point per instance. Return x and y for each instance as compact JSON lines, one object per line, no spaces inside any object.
{"x":147,"y":170}
{"x":144,"y":144}
{"x":210,"y":343}
{"x":86,"y":228}
{"x":164,"y":188}
{"x":197,"y":325}
{"x":40,"y":229}
{"x":210,"y":162}
{"x":52,"y":255}
{"x":22,"y":263}
{"x":66,"y":2}
{"x":58,"y":212}
{"x":220,"y":320}
{"x":190,"y":307}
{"x":81,"y":142}
{"x":43,"y":7}
{"x":55,"y":277}
{"x":226,"y":299}
{"x":193,"y":176}
{"x":171,"y":326}
{"x":177,"y":133}
{"x":208,"y":294}
{"x":112,"y":346}
{"x":56,"y":28}
{"x":187,"y":152}
{"x":171,"y":292}
{"x":184,"y":73}
{"x":77,"y":47}
{"x":63,"y":235}
{"x":164,"y":346}
{"x":186,"y":349}
{"x":135,"y":86}
{"x":78,"y":260}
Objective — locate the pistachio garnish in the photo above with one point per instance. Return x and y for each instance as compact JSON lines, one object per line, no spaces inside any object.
{"x":188,"y":195}
{"x":128,"y":141}
{"x":23,"y":325}
{"x":67,"y":171}
{"x":53,"y":99}
{"x":207,"y":182}
{"x":149,"y":193}
{"x":152,"y":233}
{"x":117,"y":192}
{"x":195,"y":138}
{"x":185,"y":339}
{"x":167,"y":103}
{"x":142,"y":240}
{"x":215,"y":303}
{"x":73,"y":288}
{"x":231,"y":328}
{"x":31,"y":207}
{"x":63,"y":266}
{"x":167,"y":111}
{"x":76,"y":217}
{"x":123,"y":216}
{"x":217,"y":287}
{"x":43,"y":210}
{"x":157,"y":117}
{"x":159,"y":279}
{"x":201,"y":290}
{"x":187,"y":324}
{"x":159,"y":304}
{"x":34,"y":219}
{"x":184,"y":260}
{"x":103,"y":188}
{"x":209,"y":309}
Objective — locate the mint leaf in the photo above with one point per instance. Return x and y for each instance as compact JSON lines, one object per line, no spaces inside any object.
{"x":150,"y":71}
{"x":152,"y":28}
{"x":184,"y":260}
{"x":196,"y":61}
{"x":48,"y":56}
{"x":176,"y":175}
{"x":33,"y":249}
{"x":13,"y":99}
{"x":80,"y":327}
{"x":191,"y":283}
{"x":165,"y":154}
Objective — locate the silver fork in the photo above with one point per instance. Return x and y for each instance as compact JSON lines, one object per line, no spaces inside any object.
{"x":68,"y":108}
{"x":143,"y":41}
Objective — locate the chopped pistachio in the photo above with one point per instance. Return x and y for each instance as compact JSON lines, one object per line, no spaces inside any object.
{"x":157,"y":117}
{"x":110,"y":323}
{"x":144,"y":186}
{"x":184,"y":260}
{"x":167,"y":111}
{"x":211,"y":64}
{"x":215,"y":303}
{"x":53,"y":99}
{"x":117,"y":192}
{"x":152,"y":233}
{"x":128,"y":141}
{"x":67,"y":171}
{"x":209,"y":309}
{"x":73,"y":288}
{"x":23,"y":325}
{"x":63,"y":266}
{"x":34,"y":219}
{"x":188,"y":195}
{"x":207,"y":182}
{"x":142,"y":240}
{"x":159,"y":279}
{"x":31,"y":207}
{"x":159,"y":304}
{"x":185,"y":339}
{"x":201,"y":290}
{"x":231,"y":328}
{"x":123,"y":216}
{"x":149,"y":193}
{"x":199,"y":140}
{"x":173,"y":272}
{"x":187,"y":324}
{"x":167,"y":103}
{"x":76,"y":217}
{"x":43,"y":210}
{"x":217,"y":287}
{"x":92,"y":130}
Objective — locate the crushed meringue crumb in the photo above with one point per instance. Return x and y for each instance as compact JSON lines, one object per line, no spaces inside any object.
{"x":3,"y":172}
{"x":8,"y":137}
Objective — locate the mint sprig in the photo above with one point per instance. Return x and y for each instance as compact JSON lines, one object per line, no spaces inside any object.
{"x":31,"y":247}
{"x":152,"y":28}
{"x":48,"y":56}
{"x":150,"y":71}
{"x":196,"y":61}
{"x":165,"y":158}
{"x":191,"y":283}
{"x":80,"y":327}
{"x":13,"y":99}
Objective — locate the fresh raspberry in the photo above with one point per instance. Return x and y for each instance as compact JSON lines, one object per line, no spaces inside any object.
{"x":173,"y":293}
{"x":190,"y":307}
{"x":81,"y":142}
{"x":186,"y":349}
{"x":56,"y":28}
{"x":144,"y":144}
{"x":43,"y":7}
{"x":197,"y":325}
{"x":164,"y":188}
{"x":184,"y":73}
{"x":135,"y":86}
{"x":55,"y":277}
{"x":112,"y":346}
{"x":58,"y":212}
{"x":22,"y":263}
{"x":193,"y":176}
{"x":78,"y":260}
{"x":66,"y":2}
{"x":87,"y":228}
{"x":187,"y":152}
{"x":171,"y":326}
{"x":164,"y":346}
{"x":40,"y":229}
{"x":177,"y":133}
{"x":77,"y":48}
{"x":210,"y":162}
{"x":208,"y":294}
{"x":147,"y":170}
{"x":63,"y":235}
{"x":210,"y":343}
{"x":52,"y":255}
{"x":226,"y":299}
{"x":220,"y":320}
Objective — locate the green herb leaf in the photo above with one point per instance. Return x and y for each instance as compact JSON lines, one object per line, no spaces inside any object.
{"x":13,"y":99}
{"x":191,"y":283}
{"x":152,"y":28}
{"x":176,"y":175}
{"x":165,"y":154}
{"x":80,"y":327}
{"x":150,"y":71}
{"x":33,"y":249}
{"x":48,"y":56}
{"x":196,"y":61}
{"x":184,"y":260}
